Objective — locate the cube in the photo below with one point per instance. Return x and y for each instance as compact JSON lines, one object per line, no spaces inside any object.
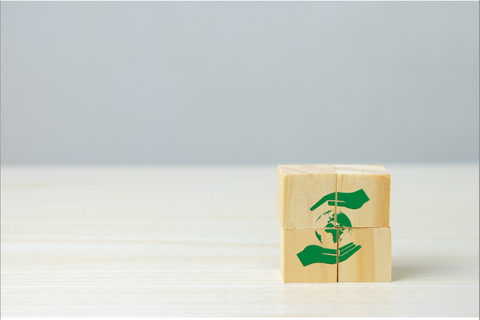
{"x":372,"y":259}
{"x":299,"y":187}
{"x":320,"y":208}
{"x":374,"y":180}
{"x":305,"y":259}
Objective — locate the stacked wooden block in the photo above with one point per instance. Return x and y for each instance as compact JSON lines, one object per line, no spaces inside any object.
{"x":334,"y":223}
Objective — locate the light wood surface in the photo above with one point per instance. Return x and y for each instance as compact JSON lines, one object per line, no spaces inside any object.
{"x":299,"y":188}
{"x":188,"y":241}
{"x":373,"y":262}
{"x":375,"y":181}
{"x":294,"y":241}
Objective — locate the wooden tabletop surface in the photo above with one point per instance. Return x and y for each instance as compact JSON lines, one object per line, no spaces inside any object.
{"x":188,"y":241}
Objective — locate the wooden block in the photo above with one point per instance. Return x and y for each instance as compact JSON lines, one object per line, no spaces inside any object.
{"x":360,"y":183}
{"x":299,"y":188}
{"x":365,"y":255}
{"x":308,"y":255}
{"x":334,"y":217}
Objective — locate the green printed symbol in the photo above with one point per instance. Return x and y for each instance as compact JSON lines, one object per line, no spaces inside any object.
{"x":342,"y":221}
{"x":351,"y":200}
{"x":317,"y":254}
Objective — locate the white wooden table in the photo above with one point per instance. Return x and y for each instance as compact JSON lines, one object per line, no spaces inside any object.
{"x":167,"y":241}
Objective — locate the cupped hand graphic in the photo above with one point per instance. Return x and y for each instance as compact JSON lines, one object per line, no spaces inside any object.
{"x":347,"y":251}
{"x":316,"y":254}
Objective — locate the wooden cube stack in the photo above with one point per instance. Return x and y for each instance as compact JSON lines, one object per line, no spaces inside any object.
{"x":334,"y":223}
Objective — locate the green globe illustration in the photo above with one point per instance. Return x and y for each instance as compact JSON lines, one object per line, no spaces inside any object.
{"x":336,"y":231}
{"x":334,"y":224}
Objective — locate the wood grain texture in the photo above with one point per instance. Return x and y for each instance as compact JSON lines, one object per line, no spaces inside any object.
{"x":293,"y":241}
{"x":280,"y":195}
{"x":373,"y":262}
{"x":204,"y":241}
{"x":303,"y":186}
{"x":375,"y":181}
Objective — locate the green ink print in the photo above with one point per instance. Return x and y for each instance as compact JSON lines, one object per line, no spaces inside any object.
{"x":330,"y":196}
{"x":323,"y":215}
{"x":343,"y":221}
{"x":347,"y":251}
{"x":333,"y":232}
{"x":331,"y":222}
{"x":351,"y":200}
{"x":316,"y":254}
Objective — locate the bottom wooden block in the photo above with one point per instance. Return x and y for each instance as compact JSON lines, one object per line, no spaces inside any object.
{"x":372,"y":257}
{"x":308,"y":255}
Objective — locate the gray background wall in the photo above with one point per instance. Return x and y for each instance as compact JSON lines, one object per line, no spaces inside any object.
{"x":239,"y":83}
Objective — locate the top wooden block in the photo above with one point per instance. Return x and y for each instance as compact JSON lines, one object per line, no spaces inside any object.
{"x":374,"y":180}
{"x":299,"y":187}
{"x":326,"y":196}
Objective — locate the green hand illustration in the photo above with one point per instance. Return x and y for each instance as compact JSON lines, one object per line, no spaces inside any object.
{"x":347,"y":251}
{"x":316,"y":254}
{"x":351,"y":200}
{"x":330,"y":196}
